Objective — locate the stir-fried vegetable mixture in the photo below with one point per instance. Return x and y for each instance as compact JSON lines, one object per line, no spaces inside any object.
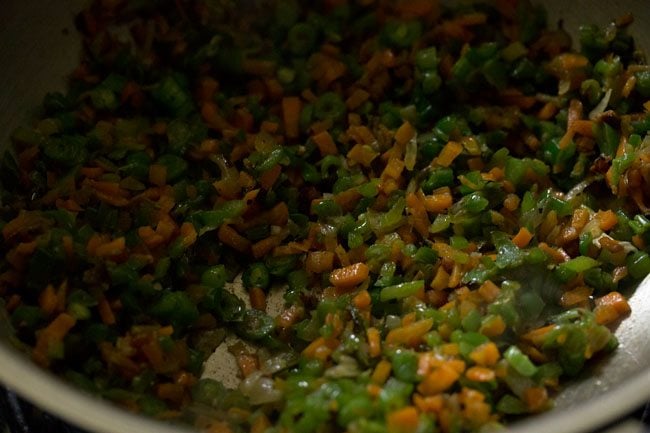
{"x":451,"y":199}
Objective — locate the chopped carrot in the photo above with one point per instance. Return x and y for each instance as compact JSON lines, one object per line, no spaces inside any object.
{"x":404,"y":134}
{"x":583,"y":127}
{"x":448,"y":154}
{"x":260,"y":424}
{"x":257,"y":298}
{"x":212,"y":117}
{"x":547,"y":111}
{"x":268,"y":178}
{"x":416,"y":8}
{"x":409,"y":335}
{"x":171,"y":392}
{"x":419,"y":215}
{"x":610,"y":308}
{"x":232,"y":238}
{"x":523,"y":237}
{"x":487,"y":354}
{"x":393,"y":169}
{"x":439,"y":201}
{"x":106,"y":311}
{"x":439,"y":380}
{"x":480,"y":374}
{"x":362,"y":154}
{"x":374,"y":342}
{"x":576,"y":296}
{"x":362,"y":300}
{"x":248,"y":364}
{"x":536,"y":398}
{"x":158,"y":174}
{"x":404,"y":420}
{"x":381,"y":372}
{"x":607,"y":219}
{"x":47,"y":300}
{"x":325,"y":143}
{"x":440,"y":280}
{"x":23,"y":223}
{"x":358,"y":97}
{"x":265,"y":246}
{"x":319,"y":261}
{"x":112,"y":248}
{"x":91,"y":172}
{"x":349,"y":276}
{"x":321,"y":348}
{"x":51,"y":336}
{"x":291,"y":107}
{"x":493,"y":328}
{"x":536,"y":336}
{"x":489,"y":291}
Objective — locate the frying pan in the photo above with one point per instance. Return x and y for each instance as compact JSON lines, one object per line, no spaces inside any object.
{"x":39,"y":47}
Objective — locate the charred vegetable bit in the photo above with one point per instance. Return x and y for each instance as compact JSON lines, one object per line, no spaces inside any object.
{"x":450,"y":203}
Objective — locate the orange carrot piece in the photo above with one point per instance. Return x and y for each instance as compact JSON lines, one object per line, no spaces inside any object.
{"x":321,"y":348}
{"x":381,"y":372}
{"x":112,"y":248}
{"x":47,"y":300}
{"x":212,"y":117}
{"x":268,"y":178}
{"x":291,"y":107}
{"x":349,"y":276}
{"x":319,"y":261}
{"x":523,"y":237}
{"x":106,"y":311}
{"x":606,"y":219}
{"x":257,"y":298}
{"x":260,"y":424}
{"x":409,"y":335}
{"x":439,"y":380}
{"x":440,"y":280}
{"x":536,"y":398}
{"x":230,"y":237}
{"x":480,"y":374}
{"x":374,"y":342}
{"x":248,"y":364}
{"x":419,"y":216}
{"x":158,"y":174}
{"x":547,"y":111}
{"x":264,"y":246}
{"x":439,"y":201}
{"x":362,"y":300}
{"x":404,"y":134}
{"x":583,"y":127}
{"x":448,"y":154}
{"x":404,"y":420}
{"x":494,"y":327}
{"x":487,"y":354}
{"x":576,"y":296}
{"x":51,"y":335}
{"x":489,"y":291}
{"x":358,"y":97}
{"x":610,"y":308}
{"x":325,"y":143}
{"x":361,"y":154}
{"x":91,"y":172}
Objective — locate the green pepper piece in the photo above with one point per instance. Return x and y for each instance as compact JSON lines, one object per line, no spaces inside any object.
{"x":255,"y":325}
{"x":175,"y":308}
{"x":402,"y":290}
{"x":638,"y":265}
{"x":519,"y":361}
{"x":256,"y":275}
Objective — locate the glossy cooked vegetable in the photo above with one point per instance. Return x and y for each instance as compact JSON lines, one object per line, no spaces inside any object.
{"x":451,"y":200}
